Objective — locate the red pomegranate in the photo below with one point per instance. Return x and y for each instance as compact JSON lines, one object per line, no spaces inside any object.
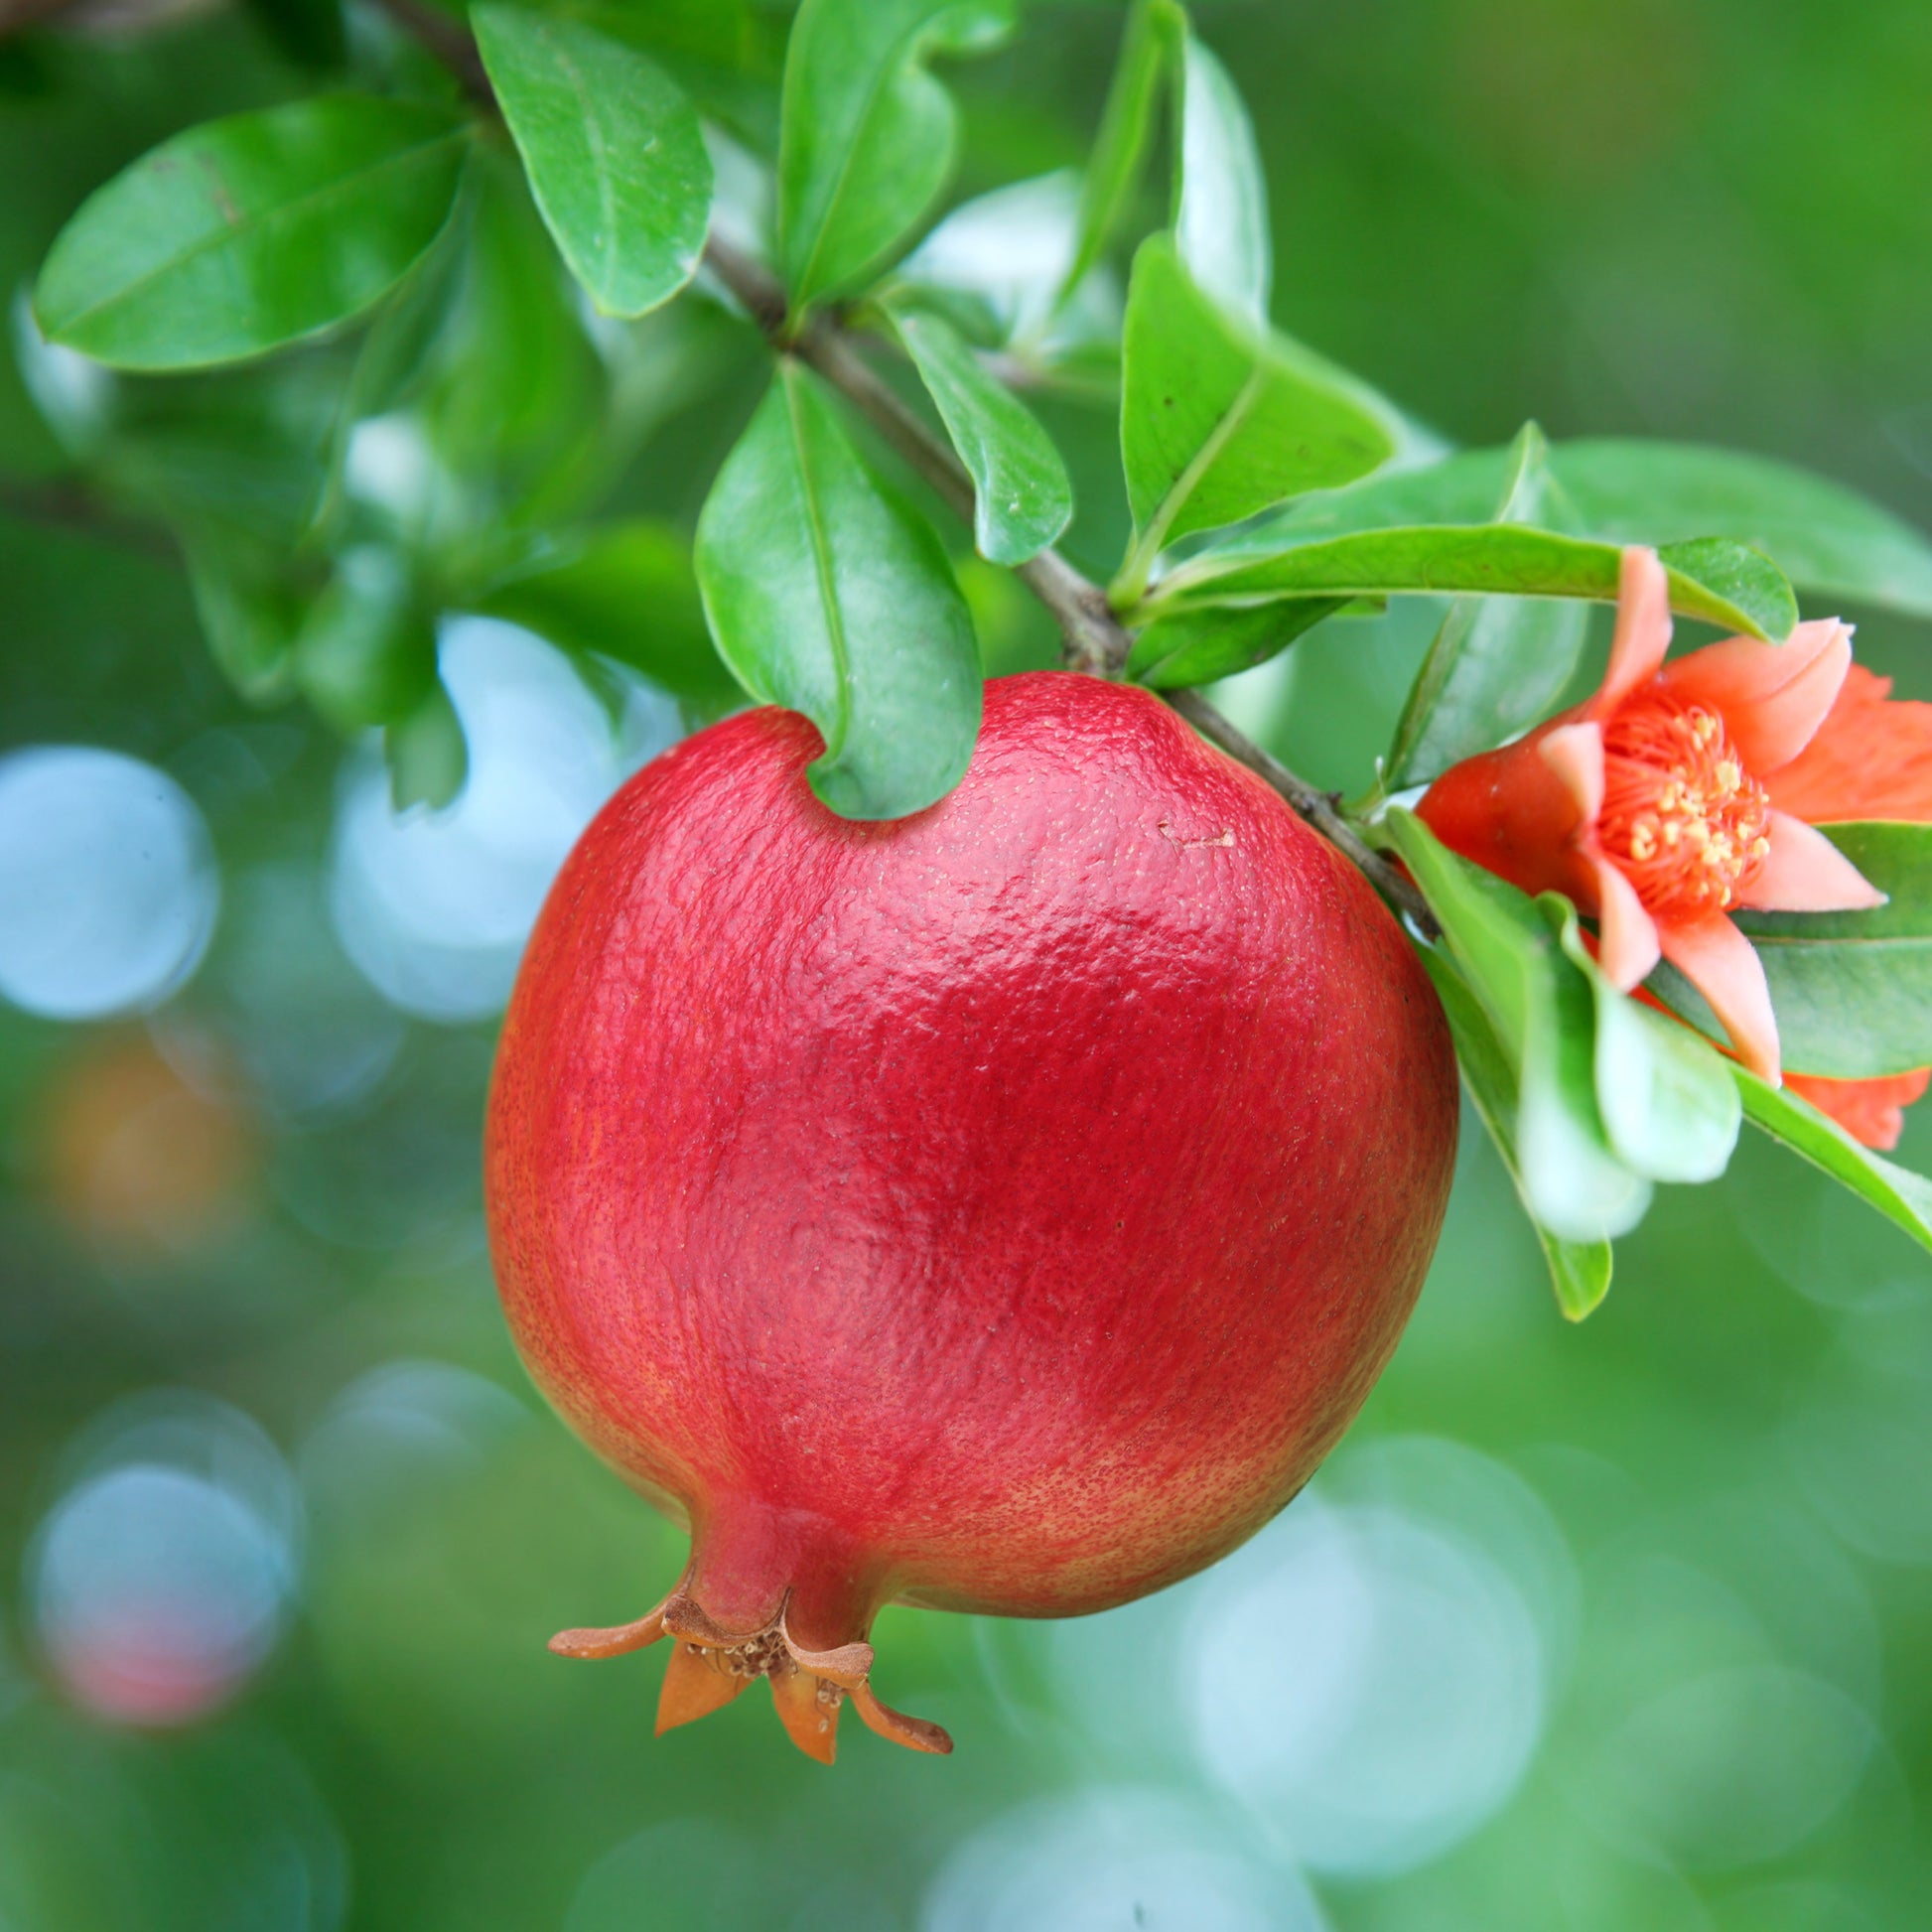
{"x":1001,"y":1209}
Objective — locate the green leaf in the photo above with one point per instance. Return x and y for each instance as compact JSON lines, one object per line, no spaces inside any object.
{"x":1541,"y":1006}
{"x":629,"y":592}
{"x":1903,"y":1197}
{"x":1579,"y":1271}
{"x":250,"y":612}
{"x":1852,"y":991}
{"x":614,"y":155}
{"x":830,"y":595}
{"x":1719,"y":582}
{"x":1497,"y":663}
{"x":1221,"y":203}
{"x":1199,"y":646}
{"x":868,"y":135}
{"x":425,"y":750}
{"x":1826,"y":539}
{"x":1218,"y":419}
{"x":1668,"y":1104}
{"x":1114,"y":166}
{"x":366,"y":654}
{"x":238,"y":236}
{"x":1022,"y":498}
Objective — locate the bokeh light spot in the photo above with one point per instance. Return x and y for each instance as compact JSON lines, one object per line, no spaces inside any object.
{"x":434,"y":907}
{"x":1112,"y":1861}
{"x":1369,"y":1682}
{"x":108,"y":891}
{"x":160,"y":1580}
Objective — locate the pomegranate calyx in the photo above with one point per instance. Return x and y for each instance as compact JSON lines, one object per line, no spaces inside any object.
{"x":709,"y":1665}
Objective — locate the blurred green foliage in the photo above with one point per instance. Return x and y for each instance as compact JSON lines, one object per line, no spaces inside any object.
{"x":1601,"y":1628}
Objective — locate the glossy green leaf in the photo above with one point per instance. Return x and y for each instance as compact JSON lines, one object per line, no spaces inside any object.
{"x":426,"y":754}
{"x":1497,"y":663}
{"x":238,"y":236}
{"x":1543,"y":1013}
{"x":1826,"y":539}
{"x":1852,"y":991}
{"x":518,"y":402}
{"x":1220,"y":227}
{"x":251,"y":614}
{"x":1219,"y":419}
{"x":1119,"y":148}
{"x":1022,"y":498}
{"x":1903,"y":1197}
{"x":1718,"y":582}
{"x":366,"y":654}
{"x":614,"y":155}
{"x":629,"y":592}
{"x":1199,"y":646}
{"x":1669,"y":1107}
{"x":827,"y":593}
{"x":868,"y":134}
{"x":1579,"y":1271}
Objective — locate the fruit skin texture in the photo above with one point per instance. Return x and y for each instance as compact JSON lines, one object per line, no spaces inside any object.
{"x":1002,"y":1210}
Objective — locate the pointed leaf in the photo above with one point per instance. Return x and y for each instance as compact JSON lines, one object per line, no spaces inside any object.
{"x":1114,"y":167}
{"x":1668,"y":1103}
{"x":1825,"y":537}
{"x":243,"y":234}
{"x":1199,"y":646}
{"x":1218,"y":419}
{"x":1022,"y":498}
{"x":366,"y":654}
{"x":427,"y":756}
{"x":1719,"y":582}
{"x":1541,"y":1007}
{"x":1903,"y":1197}
{"x":830,"y":595}
{"x":1498,"y":664}
{"x":612,"y":145}
{"x":868,"y":134}
{"x":1222,"y":207}
{"x":1852,"y":991}
{"x":1579,"y":1271}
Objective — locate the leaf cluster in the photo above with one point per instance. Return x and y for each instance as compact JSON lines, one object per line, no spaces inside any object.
{"x":433,"y":322}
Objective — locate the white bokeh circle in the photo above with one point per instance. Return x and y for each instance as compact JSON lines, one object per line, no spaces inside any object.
{"x":108,"y":888}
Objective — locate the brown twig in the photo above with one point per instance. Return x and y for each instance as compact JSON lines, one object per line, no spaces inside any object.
{"x":1095,"y":640}
{"x":63,"y":504}
{"x":445,"y":38}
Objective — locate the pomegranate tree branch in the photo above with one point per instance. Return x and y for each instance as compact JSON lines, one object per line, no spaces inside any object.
{"x":444,"y":38}
{"x":63,"y":504}
{"x":1095,"y":640}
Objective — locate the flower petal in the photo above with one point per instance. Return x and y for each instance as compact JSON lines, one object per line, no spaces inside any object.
{"x":1575,"y":752}
{"x":1871,"y":759}
{"x":1630,"y":942}
{"x":1511,"y":812}
{"x":1771,"y":697}
{"x":1872,"y":1111}
{"x":1642,"y":633}
{"x":1807,"y":873}
{"x":1724,"y":966}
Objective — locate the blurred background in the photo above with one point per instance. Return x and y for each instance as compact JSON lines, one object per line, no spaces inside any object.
{"x":1620,"y":1626}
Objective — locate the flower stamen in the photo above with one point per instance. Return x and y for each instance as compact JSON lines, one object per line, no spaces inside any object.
{"x":1681,"y":817}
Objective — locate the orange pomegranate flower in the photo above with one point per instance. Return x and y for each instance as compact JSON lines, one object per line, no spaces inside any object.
{"x":1670,"y":800}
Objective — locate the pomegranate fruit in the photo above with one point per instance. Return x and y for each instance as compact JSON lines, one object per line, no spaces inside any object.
{"x":1001,"y":1209}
